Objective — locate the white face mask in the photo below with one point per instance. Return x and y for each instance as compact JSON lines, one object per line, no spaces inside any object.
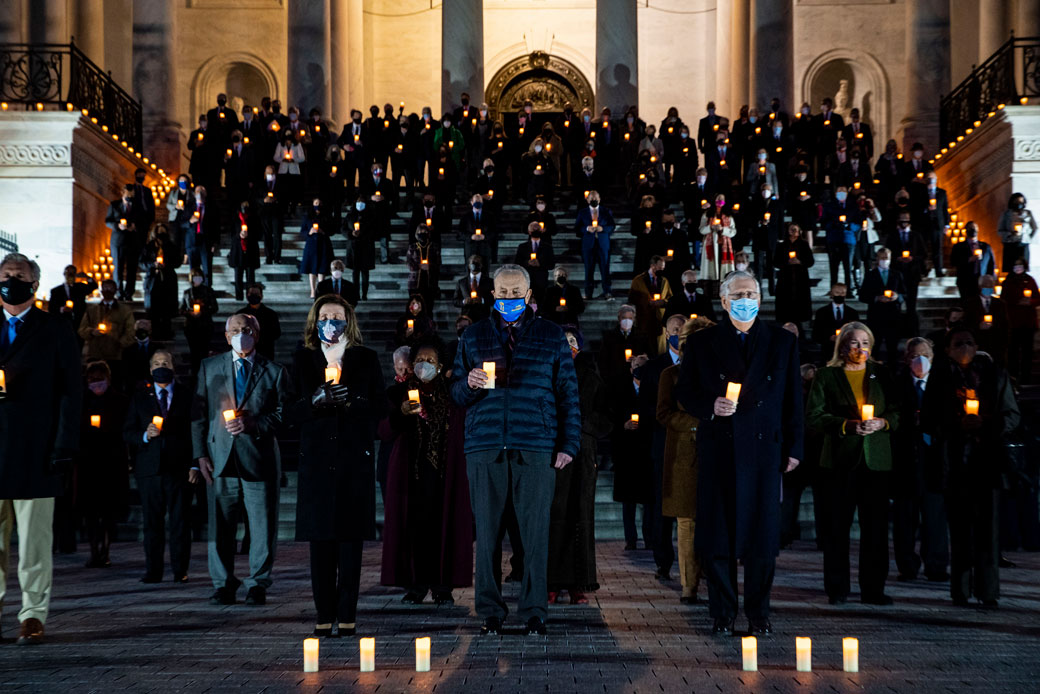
{"x":270,"y":177}
{"x":767,"y":194}
{"x":762,"y":157}
{"x":920,"y":366}
{"x":805,"y":110}
{"x":884,"y":264}
{"x":447,"y":124}
{"x":242,"y":343}
{"x":800,"y":177}
{"x":701,"y":180}
{"x":483,"y":113}
{"x":777,"y":131}
{"x":359,"y":206}
{"x":742,"y":267}
{"x":626,"y":324}
{"x":918,"y":154}
{"x":537,"y":148}
{"x":196,"y":281}
{"x":425,"y":371}
{"x":337,"y":274}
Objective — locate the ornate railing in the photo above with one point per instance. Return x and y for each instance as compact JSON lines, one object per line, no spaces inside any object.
{"x":1012,"y":73}
{"x":61,"y":74}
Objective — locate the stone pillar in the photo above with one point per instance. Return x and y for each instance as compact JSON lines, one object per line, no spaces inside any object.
{"x":738,"y":58}
{"x":993,"y":27}
{"x":927,"y":70}
{"x":1027,"y":18}
{"x":339,"y":62}
{"x":617,"y":55}
{"x":155,"y":82}
{"x":772,"y":53}
{"x":119,"y":37}
{"x":12,"y":21}
{"x":723,"y":69}
{"x":356,"y":20}
{"x":309,"y":56}
{"x":462,"y":52}
{"x":89,"y":30}
{"x":49,"y":21}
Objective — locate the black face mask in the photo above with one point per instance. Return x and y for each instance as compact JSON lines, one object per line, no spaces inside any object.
{"x":254,"y":299}
{"x":428,"y":203}
{"x":561,"y":280}
{"x":489,"y":169}
{"x":142,"y":335}
{"x":474,"y":269}
{"x":162,"y":375}
{"x":465,"y":102}
{"x":15,"y":291}
{"x":535,"y":236}
{"x":594,"y":203}
{"x":422,"y":239}
{"x":357,"y":119}
{"x":459,"y":331}
{"x":690,"y":287}
{"x":1018,"y":206}
{"x":139,"y":179}
{"x":839,"y":300}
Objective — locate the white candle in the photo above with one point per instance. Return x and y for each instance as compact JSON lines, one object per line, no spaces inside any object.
{"x":971,"y":406}
{"x":635,"y":418}
{"x":868,"y":412}
{"x":3,"y":382}
{"x":489,"y":369}
{"x":157,"y":421}
{"x":95,"y":421}
{"x":628,"y":354}
{"x":850,"y":653}
{"x":422,"y":654}
{"x":733,"y":392}
{"x":413,"y":396}
{"x":803,"y":649}
{"x":368,"y":654}
{"x":310,"y":655}
{"x":229,"y":415}
{"x":332,"y":374}
{"x":749,"y":646}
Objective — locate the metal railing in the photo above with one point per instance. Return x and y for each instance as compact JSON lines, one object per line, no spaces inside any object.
{"x":1010,"y":74}
{"x":61,"y":74}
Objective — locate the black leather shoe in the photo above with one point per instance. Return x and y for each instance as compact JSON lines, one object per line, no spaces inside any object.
{"x":1006,"y":563}
{"x":222,"y":596}
{"x":881,"y":599}
{"x":491,"y":626}
{"x":837,"y":599}
{"x":535,"y":625}
{"x":346,"y":630}
{"x":323,"y":630}
{"x":938,"y":578}
{"x":662,"y":574}
{"x":256,"y":596}
{"x":412,"y":597}
{"x":722,"y":627}
{"x":760,"y":627}
{"x":151,"y":579}
{"x":445,"y":598}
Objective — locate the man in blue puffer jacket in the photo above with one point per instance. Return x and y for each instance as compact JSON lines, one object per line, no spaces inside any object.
{"x":517,"y":417}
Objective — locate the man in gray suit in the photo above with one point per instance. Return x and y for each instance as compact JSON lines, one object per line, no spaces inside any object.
{"x":239,"y":402}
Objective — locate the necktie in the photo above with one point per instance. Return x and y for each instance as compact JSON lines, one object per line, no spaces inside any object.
{"x":837,"y":314}
{"x":473,"y":283}
{"x":336,"y":284}
{"x":241,"y":380}
{"x":511,"y":341}
{"x":920,"y":393}
{"x":12,"y":331}
{"x":164,"y":406}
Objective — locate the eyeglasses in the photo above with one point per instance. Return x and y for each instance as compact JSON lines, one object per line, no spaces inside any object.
{"x":743,"y":295}
{"x":243,"y":331}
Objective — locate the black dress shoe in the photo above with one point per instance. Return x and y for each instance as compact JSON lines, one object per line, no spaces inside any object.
{"x":662,"y":574}
{"x":323,"y":630}
{"x":445,"y":598}
{"x":1006,"y":563}
{"x":938,"y":578}
{"x":535,"y":626}
{"x":151,"y":579}
{"x":256,"y":596}
{"x":491,"y":626}
{"x":222,"y":596}
{"x":722,"y":627}
{"x":881,"y":599}
{"x":760,"y":627}
{"x":838,"y":599}
{"x":346,"y":630}
{"x":413,"y":598}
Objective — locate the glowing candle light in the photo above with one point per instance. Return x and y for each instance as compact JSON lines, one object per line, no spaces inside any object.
{"x":368,"y":654}
{"x":867,"y":413}
{"x":422,"y":654}
{"x":102,"y":328}
{"x":906,"y":254}
{"x":413,"y":396}
{"x":473,"y":295}
{"x":332,"y":374}
{"x":671,"y":253}
{"x":229,"y":415}
{"x":1027,"y":293}
{"x":196,"y":309}
{"x":628,"y":355}
{"x":856,"y":185}
{"x":888,"y":293}
{"x":841,"y":218}
{"x":792,"y":255}
{"x":411,"y":323}
{"x":95,"y":421}
{"x":803,"y":648}
{"x":157,"y":422}
{"x":228,"y":152}
{"x":534,"y":256}
{"x":489,"y":369}
{"x":563,"y":302}
{"x":68,"y":303}
{"x":850,"y":654}
{"x":3,"y":382}
{"x":479,"y":233}
{"x":635,"y":418}
{"x":749,"y":647}
{"x":733,"y":392}
{"x":987,"y":318}
{"x":310,"y":655}
{"x":657,"y":297}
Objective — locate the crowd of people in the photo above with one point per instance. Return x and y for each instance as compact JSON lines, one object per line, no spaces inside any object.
{"x":707,"y":410}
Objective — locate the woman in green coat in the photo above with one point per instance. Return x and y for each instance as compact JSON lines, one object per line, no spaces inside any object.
{"x":852,"y":406}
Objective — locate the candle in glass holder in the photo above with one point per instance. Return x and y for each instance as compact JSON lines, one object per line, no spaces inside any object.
{"x":310,"y":655}
{"x":422,"y":654}
{"x":196,"y":309}
{"x":841,"y":218}
{"x":856,"y":185}
{"x":95,"y":421}
{"x":157,"y":422}
{"x":671,"y":253}
{"x":489,"y":369}
{"x":628,"y":355}
{"x":867,"y":413}
{"x":978,"y":252}
{"x":563,"y":302}
{"x":749,"y":647}
{"x":906,"y":254}
{"x":792,"y":255}
{"x":411,"y":323}
{"x":334,"y":168}
{"x":648,"y":224}
{"x":888,"y":293}
{"x":102,"y":328}
{"x":722,"y":162}
{"x":534,"y":256}
{"x":413,"y":396}
{"x":803,"y":649}
{"x":1027,"y":293}
{"x":971,"y":405}
{"x":473,"y":295}
{"x":657,"y":297}
{"x":68,"y":303}
{"x":368,"y":654}
{"x":850,"y":654}
{"x":626,"y":136}
{"x":228,"y":415}
{"x":733,"y":392}
{"x":479,"y":233}
{"x":332,"y":374}
{"x":987,"y":318}
{"x":635,"y":418}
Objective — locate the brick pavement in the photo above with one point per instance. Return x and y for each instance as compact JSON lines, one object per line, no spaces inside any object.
{"x":107,"y":633}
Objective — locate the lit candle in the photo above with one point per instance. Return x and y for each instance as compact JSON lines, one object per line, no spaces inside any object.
{"x":228,"y":151}
{"x":733,"y":392}
{"x":440,"y":172}
{"x":761,"y":169}
{"x":906,"y":254}
{"x":68,"y":303}
{"x":180,"y":204}
{"x":451,"y":144}
{"x":850,"y":654}
{"x":196,"y":309}
{"x":402,"y":104}
{"x":332,"y":374}
{"x":534,"y":256}
{"x":95,"y":421}
{"x":722,"y":162}
{"x":987,"y":318}
{"x":749,"y":646}
{"x":1027,"y":293}
{"x":648,"y":224}
{"x":3,"y":382}
{"x":489,"y":369}
{"x":422,"y":654}
{"x":635,"y":418}
{"x":102,"y":328}
{"x":425,"y":261}
{"x":715,"y":127}
{"x":657,"y":297}
{"x":334,"y":168}
{"x":803,"y":194}
{"x":932,"y":202}
{"x":541,"y":225}
{"x":563,"y":302}
{"x":473,"y":295}
{"x":229,"y":415}
{"x":368,"y":654}
{"x":841,"y":218}
{"x":803,"y":648}
{"x":157,"y":422}
{"x":429,"y":221}
{"x":736,"y":206}
{"x":522,"y":130}
{"x":767,"y":216}
{"x":566,"y":123}
{"x":626,"y":136}
{"x":479,"y":233}
{"x":413,"y":396}
{"x":357,"y":226}
{"x":792,"y":255}
{"x":411,"y":323}
{"x":158,"y":261}
{"x":671,"y":253}
{"x":856,"y":185}
{"x":310,"y":655}
{"x":538,"y":167}
{"x":868,"y":413}
{"x":888,"y":293}
{"x":971,"y":405}
{"x":39,"y":303}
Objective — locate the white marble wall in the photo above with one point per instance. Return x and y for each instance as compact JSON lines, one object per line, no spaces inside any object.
{"x":403,"y":54}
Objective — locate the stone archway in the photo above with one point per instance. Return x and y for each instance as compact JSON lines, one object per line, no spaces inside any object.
{"x":859,"y":80}
{"x":548,"y":81}
{"x":244,"y":77}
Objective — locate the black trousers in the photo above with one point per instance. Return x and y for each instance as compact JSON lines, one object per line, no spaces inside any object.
{"x":272,"y":224}
{"x":848,"y":490}
{"x":243,"y":276}
{"x":972,"y":511}
{"x":721,"y":573}
{"x":1020,"y":354}
{"x":336,"y":580}
{"x":663,"y":526}
{"x":163,"y":494}
{"x":361,"y":282}
{"x":916,"y":511}
{"x":510,"y":527}
{"x":126,"y":251}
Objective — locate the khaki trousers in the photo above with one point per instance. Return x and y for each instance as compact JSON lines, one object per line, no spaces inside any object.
{"x":34,"y":518}
{"x":689,"y":570}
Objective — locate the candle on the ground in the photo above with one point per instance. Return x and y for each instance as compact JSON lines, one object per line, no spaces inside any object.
{"x":850,"y":653}
{"x":422,"y":654}
{"x":310,"y":655}
{"x":368,"y":654}
{"x":749,"y":646}
{"x":803,"y":648}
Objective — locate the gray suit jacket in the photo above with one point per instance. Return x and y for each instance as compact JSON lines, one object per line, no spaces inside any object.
{"x":267,"y":393}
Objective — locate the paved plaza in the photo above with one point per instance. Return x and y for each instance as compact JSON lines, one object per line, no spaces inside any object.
{"x":107,"y":633}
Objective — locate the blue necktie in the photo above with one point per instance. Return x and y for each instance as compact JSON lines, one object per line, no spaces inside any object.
{"x":241,"y":380}
{"x":12,"y":331}
{"x":163,"y":402}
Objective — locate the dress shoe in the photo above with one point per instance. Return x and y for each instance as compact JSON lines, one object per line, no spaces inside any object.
{"x":323,"y":630}
{"x":990,"y":605}
{"x":722,"y":627}
{"x":938,"y":578}
{"x":578,"y":598}
{"x":222,"y":596}
{"x":256,"y":596}
{"x":688,"y":600}
{"x":443,"y":597}
{"x":412,"y":597}
{"x":760,"y":627}
{"x":535,"y":626}
{"x":662,"y":574}
{"x":347,"y":629}
{"x":180,"y":579}
{"x":880,"y":599}
{"x":31,"y":632}
{"x":1006,"y":563}
{"x":838,"y":599}
{"x":151,"y":579}
{"x":491,"y":626}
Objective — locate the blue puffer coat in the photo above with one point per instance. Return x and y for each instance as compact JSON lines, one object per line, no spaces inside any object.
{"x":534,"y":405}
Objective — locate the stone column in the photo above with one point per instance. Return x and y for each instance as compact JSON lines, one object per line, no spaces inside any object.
{"x":927,"y":70}
{"x":723,"y":77}
{"x":993,"y":27}
{"x":339,"y":62}
{"x":1027,"y":18}
{"x":772,"y":53}
{"x":617,"y":55}
{"x":12,"y":22}
{"x":90,"y":30}
{"x":462,"y":52}
{"x":309,"y":56}
{"x":119,"y":36}
{"x":49,"y":21}
{"x":739,"y":60}
{"x":155,"y":82}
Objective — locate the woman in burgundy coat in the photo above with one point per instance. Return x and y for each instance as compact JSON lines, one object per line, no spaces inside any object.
{"x":428,"y":527}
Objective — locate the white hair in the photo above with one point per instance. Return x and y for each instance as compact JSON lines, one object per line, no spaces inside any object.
{"x":404,"y":353}
{"x":251,"y":321}
{"x":733,"y":277}
{"x":34,"y":267}
{"x":511,"y":269}
{"x":627,"y":308}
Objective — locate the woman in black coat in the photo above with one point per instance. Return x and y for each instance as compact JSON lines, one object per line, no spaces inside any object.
{"x":362,"y":230}
{"x":198,"y":307}
{"x":317,"y":248}
{"x":422,"y":324}
{"x":793,"y":302}
{"x":630,"y":452}
{"x":160,"y":259}
{"x":244,"y":254}
{"x":336,"y":504}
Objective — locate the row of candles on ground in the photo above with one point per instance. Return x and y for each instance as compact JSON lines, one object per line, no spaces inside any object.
{"x":1024,"y":101}
{"x":368,"y":654}
{"x":803,"y":653}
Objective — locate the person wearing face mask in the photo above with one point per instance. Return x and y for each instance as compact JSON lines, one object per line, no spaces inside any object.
{"x":507,"y":437}
{"x":223,"y":119}
{"x":41,"y":365}
{"x":594,"y":225}
{"x":100,"y":476}
{"x":451,"y":137}
{"x":473,"y":291}
{"x":239,"y":169}
{"x":670,"y":132}
{"x":267,"y":317}
{"x":415,"y":323}
{"x":198,"y":323}
{"x":968,"y":468}
{"x":883,"y":292}
{"x":203,"y":234}
{"x":631,"y":130}
{"x":803,"y":133}
{"x":404,"y":160}
{"x":860,"y":135}
{"x":706,"y":128}
{"x":651,"y":150}
{"x":539,"y":170}
{"x":381,"y":202}
{"x":767,"y":213}
{"x":762,"y":429}
{"x":931,"y":207}
{"x":802,"y":200}
{"x":684,"y":166}
{"x":1021,"y":310}
{"x":162,"y":465}
{"x":698,"y":197}
{"x":615,"y":344}
{"x":587,"y":177}
{"x":71,"y":289}
{"x":244,"y":251}
{"x":107,"y":344}
{"x":537,"y":257}
{"x":427,"y":213}
{"x":909,"y":254}
{"x":690,"y":298}
{"x":492,"y":184}
{"x":856,"y":462}
{"x":1016,"y":228}
{"x":971,"y":259}
{"x":572,"y":541}
{"x":315,"y":230}
{"x":918,"y":166}
{"x":561,"y":302}
{"x":395,"y":392}
{"x":288,"y":157}
{"x":424,"y":267}
{"x":144,"y":203}
{"x":760,"y":171}
{"x":827,"y":126}
{"x":160,"y":260}
{"x":125,"y":240}
{"x":993,"y":333}
{"x":853,"y":170}
{"x":891,"y":171}
{"x":337,"y":284}
{"x":673,"y":243}
{"x":717,"y":231}
{"x":829,"y":318}
{"x":484,"y":244}
{"x":271,"y":203}
{"x":649,"y":293}
{"x":428,"y":527}
{"x":137,"y":356}
{"x":379,"y":129}
{"x":238,"y":456}
{"x":541,"y":215}
{"x":354,"y":140}
{"x":843,"y":226}
{"x":918,"y":506}
{"x":206,"y":153}
{"x":793,"y":300}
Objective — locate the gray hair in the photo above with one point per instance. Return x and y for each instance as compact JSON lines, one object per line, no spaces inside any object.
{"x":404,"y":353}
{"x":627,"y":308}
{"x":511,"y":269}
{"x":733,"y":277}
{"x":251,"y":321}
{"x":20,"y":258}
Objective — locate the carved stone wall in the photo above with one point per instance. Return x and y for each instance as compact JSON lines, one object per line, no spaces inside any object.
{"x":548,"y":81}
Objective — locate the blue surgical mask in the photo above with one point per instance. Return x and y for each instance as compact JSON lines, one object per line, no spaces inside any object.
{"x":743,"y":310}
{"x":329,"y":331}
{"x":511,"y":309}
{"x":183,"y":185}
{"x":673,"y":341}
{"x":987,"y":291}
{"x":840,"y":196}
